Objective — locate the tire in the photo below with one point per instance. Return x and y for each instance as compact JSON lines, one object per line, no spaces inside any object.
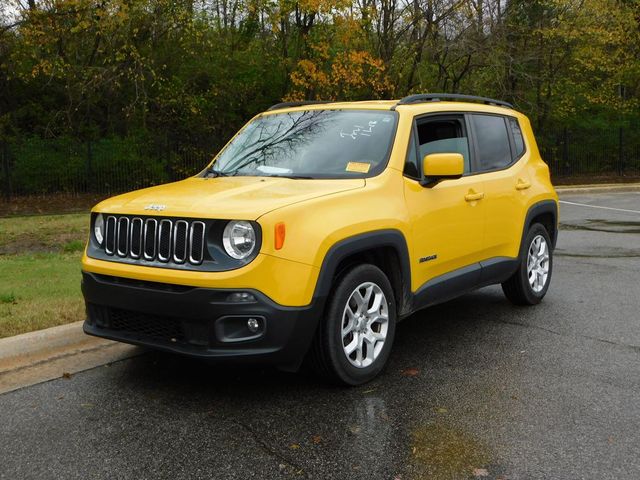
{"x":519,"y":289}
{"x":328,"y":354}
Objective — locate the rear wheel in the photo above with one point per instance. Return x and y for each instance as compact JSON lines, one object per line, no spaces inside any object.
{"x":354,"y":339}
{"x":530,"y":283}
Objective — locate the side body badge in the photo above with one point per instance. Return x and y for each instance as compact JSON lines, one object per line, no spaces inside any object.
{"x":428,"y":258}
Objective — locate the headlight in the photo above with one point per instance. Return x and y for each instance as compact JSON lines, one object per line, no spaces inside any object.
{"x":239,"y":239}
{"x":98,"y":228}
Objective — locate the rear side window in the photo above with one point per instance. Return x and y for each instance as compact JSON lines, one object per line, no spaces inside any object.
{"x":492,"y":140}
{"x":518,"y":139}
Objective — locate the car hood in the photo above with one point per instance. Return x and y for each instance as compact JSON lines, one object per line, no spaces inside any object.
{"x":244,"y":198}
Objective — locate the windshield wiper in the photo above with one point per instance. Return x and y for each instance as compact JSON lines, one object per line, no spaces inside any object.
{"x":213,"y":173}
{"x":290,"y":176}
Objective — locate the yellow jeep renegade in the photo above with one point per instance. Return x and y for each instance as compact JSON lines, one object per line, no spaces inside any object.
{"x":319,"y":226}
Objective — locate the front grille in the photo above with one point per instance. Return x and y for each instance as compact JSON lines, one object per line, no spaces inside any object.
{"x":166,"y":240}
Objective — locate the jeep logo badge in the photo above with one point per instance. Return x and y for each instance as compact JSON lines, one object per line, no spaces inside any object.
{"x":156,"y":207}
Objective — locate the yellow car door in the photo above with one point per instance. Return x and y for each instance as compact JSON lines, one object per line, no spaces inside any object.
{"x":499,"y":148}
{"x":448,"y":217}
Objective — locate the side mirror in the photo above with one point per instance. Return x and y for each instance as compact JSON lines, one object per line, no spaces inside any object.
{"x":440,"y":166}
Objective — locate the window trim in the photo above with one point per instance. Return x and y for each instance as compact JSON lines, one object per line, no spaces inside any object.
{"x":413,"y":137}
{"x":459,"y":115}
{"x":513,"y":138}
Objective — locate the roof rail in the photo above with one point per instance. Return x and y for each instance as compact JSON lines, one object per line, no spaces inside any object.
{"x":278,"y":106}
{"x":437,"y":97}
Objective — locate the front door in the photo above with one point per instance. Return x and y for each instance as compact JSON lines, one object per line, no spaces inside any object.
{"x":447,"y":219}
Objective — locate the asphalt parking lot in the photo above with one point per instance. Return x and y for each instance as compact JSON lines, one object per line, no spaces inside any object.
{"x":475,"y":388}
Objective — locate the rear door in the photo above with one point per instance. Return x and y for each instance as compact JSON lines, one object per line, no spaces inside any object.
{"x":498,"y":162}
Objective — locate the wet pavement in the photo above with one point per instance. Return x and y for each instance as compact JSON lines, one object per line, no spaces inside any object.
{"x":475,"y":388}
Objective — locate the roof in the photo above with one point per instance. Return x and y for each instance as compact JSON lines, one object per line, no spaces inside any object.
{"x":421,"y":102}
{"x":412,"y":108}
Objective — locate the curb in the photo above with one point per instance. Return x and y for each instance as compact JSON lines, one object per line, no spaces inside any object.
{"x":33,"y":343}
{"x":40,"y":356}
{"x":595,"y":188}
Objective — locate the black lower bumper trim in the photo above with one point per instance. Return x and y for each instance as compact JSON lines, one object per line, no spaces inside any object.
{"x":199,"y":322}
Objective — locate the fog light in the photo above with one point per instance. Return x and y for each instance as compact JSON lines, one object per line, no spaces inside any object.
{"x":240,"y":328}
{"x":253,"y":325}
{"x":241,"y":297}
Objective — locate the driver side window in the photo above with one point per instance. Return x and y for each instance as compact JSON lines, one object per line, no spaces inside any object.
{"x":443,"y":134}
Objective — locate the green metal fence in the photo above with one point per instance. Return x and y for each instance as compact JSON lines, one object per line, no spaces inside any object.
{"x":612,"y":152}
{"x":35,"y":166}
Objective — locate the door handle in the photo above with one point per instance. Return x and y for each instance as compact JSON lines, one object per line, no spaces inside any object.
{"x":522,"y":184}
{"x":472,"y":196}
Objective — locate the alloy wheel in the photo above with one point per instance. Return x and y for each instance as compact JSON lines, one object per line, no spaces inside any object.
{"x":365,"y":323}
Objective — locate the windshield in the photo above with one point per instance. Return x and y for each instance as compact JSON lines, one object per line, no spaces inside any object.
{"x":310,"y":144}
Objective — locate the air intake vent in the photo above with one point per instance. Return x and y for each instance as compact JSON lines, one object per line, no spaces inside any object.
{"x":123,"y":236}
{"x":164,"y":240}
{"x":110,"y":235}
{"x":150,"y":233}
{"x":135,"y":244}
{"x":180,"y":241}
{"x":196,"y":239}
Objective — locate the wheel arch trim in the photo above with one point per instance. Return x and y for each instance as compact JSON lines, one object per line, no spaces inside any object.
{"x":540,"y":208}
{"x":358,"y":244}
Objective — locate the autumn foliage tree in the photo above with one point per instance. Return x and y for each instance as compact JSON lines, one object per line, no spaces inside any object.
{"x":194,"y":70}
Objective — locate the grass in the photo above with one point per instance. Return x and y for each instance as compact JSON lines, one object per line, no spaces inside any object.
{"x":40,"y":271}
{"x":43,"y":233}
{"x":56,"y":203}
{"x":7,"y":298}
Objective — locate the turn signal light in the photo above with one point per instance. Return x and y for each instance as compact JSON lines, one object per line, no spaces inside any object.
{"x":279,"y":235}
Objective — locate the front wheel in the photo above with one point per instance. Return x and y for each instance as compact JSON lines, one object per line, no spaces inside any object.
{"x":530,"y":283}
{"x":354,"y":339}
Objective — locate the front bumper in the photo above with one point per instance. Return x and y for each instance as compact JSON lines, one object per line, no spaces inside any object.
{"x":198,"y":322}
